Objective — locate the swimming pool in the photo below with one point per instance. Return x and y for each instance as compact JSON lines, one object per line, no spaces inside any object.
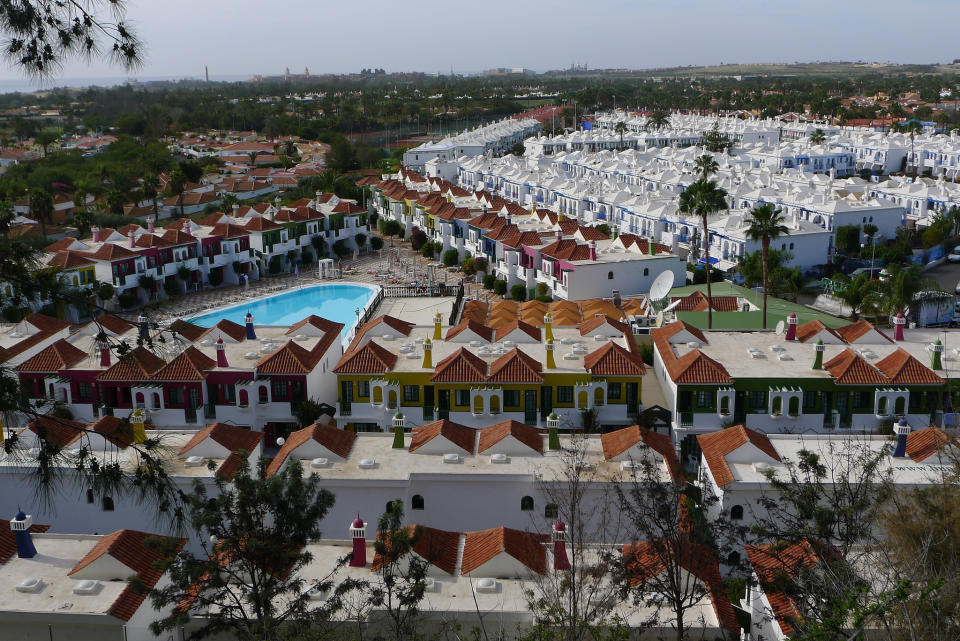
{"x":333,"y":302}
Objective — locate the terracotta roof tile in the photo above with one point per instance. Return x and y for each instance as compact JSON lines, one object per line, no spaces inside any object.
{"x":697,"y":301}
{"x":137,"y":365}
{"x":849,"y":368}
{"x":590,"y":325}
{"x":922,"y":444}
{"x":187,"y":329}
{"x":483,"y":546}
{"x":113,"y":324}
{"x":234,"y":439}
{"x":716,"y":445}
{"x":59,"y":432}
{"x":402,"y":327}
{"x":771,"y":564}
{"x":613,"y":360}
{"x":460,"y":435}
{"x":68,"y":260}
{"x":462,"y":366}
{"x":903,"y":369}
{"x":808,"y":330}
{"x":437,"y":547}
{"x":234,"y":330}
{"x":190,"y":365}
{"x":289,"y":359}
{"x":52,"y":359}
{"x":526,"y":434}
{"x":516,"y":367}
{"x":46,"y":324}
{"x":8,"y":542}
{"x":338,"y":441}
{"x":526,"y":328}
{"x":619,"y":441}
{"x":369,"y":359}
{"x":481,"y":330}
{"x":854,"y":331}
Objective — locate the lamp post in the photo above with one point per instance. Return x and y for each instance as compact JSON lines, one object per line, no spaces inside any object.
{"x":873,"y":251}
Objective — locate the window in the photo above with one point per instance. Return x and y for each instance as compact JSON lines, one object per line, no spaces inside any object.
{"x":550,"y":511}
{"x":859,"y":400}
{"x":363,"y":389}
{"x":609,"y":275}
{"x":263,"y":394}
{"x":511,"y":398}
{"x":84,"y":391}
{"x":613,"y":391}
{"x":705,"y":400}
{"x":758,"y":400}
{"x":733,"y":558}
{"x":176,"y":396}
{"x":526,"y":504}
{"x":107,"y":504}
{"x":565,"y":394}
{"x":280,"y":389}
{"x":736,"y":513}
{"x":90,"y":497}
{"x":416,"y":502}
{"x":646,"y":271}
{"x":461,"y":398}
{"x":809,"y":400}
{"x":411,"y":393}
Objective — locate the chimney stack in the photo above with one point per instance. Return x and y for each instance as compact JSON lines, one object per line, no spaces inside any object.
{"x":104,"y":348}
{"x":792,"y":327}
{"x":548,"y":327}
{"x":559,"y":234}
{"x":96,"y":233}
{"x":248,"y":321}
{"x":937,"y":355}
{"x":427,"y":354}
{"x":316,"y":199}
{"x":235,"y":211}
{"x":150,"y":227}
{"x":437,"y":322}
{"x":133,"y":239}
{"x":898,"y":322}
{"x":221,"y":353}
{"x":593,"y":250}
{"x":144,"y":327}
{"x":902,"y":430}
{"x":358,"y":532}
{"x":818,"y":354}
{"x":551,"y":361}
{"x":21,"y":532}
{"x":399,"y":423}
{"x":560,"y":561}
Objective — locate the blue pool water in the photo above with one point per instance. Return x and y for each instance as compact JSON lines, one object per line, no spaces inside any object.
{"x":333,"y":302}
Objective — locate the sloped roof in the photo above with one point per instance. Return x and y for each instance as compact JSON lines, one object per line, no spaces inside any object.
{"x":613,"y":360}
{"x":697,"y":301}
{"x":716,"y":445}
{"x":137,"y":365}
{"x":402,"y":327}
{"x":60,"y":432}
{"x":479,"y":329}
{"x":289,"y":359}
{"x":808,"y":330}
{"x":338,"y":441}
{"x":368,"y":359}
{"x":234,"y":330}
{"x":187,"y":329}
{"x":922,"y":444}
{"x":462,"y":366}
{"x":849,"y":368}
{"x":54,"y":358}
{"x":526,"y":328}
{"x":460,"y":435}
{"x":190,"y":365}
{"x":483,"y":546}
{"x":230,"y":437}
{"x":516,"y":367}
{"x":526,"y":434}
{"x":437,"y":547}
{"x":113,"y":323}
{"x":8,"y":542}
{"x":850,"y":333}
{"x":619,"y":441}
{"x":592,"y":324}
{"x":903,"y":369}
{"x":771,"y":563}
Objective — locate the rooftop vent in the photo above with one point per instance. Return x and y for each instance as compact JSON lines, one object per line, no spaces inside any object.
{"x":413,"y":355}
{"x":87,"y":586}
{"x":629,"y":465}
{"x":193,"y":461}
{"x":762,"y":467}
{"x":30,"y":585}
{"x":785,"y":357}
{"x":429,"y":585}
{"x":387,"y":337}
{"x":206,"y":341}
{"x":584,"y":465}
{"x":317,"y":594}
{"x":300,"y":337}
{"x":475,"y":343}
{"x":486,"y":584}
{"x":599,"y":337}
{"x":320,"y":462}
{"x":251,"y":356}
{"x":499,"y":458}
{"x":367,"y":464}
{"x":451,"y":458}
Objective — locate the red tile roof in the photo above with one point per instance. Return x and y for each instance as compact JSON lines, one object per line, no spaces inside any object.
{"x":716,"y":445}
{"x":530,"y":436}
{"x":481,"y":330}
{"x":849,"y":368}
{"x":137,"y":365}
{"x":772,"y":564}
{"x":460,"y":435}
{"x":129,"y":548}
{"x":526,"y":328}
{"x":566,"y":249}
{"x":68,"y":260}
{"x":483,"y":546}
{"x":903,"y":369}
{"x":613,"y":360}
{"x":922,"y":444}
{"x":402,"y":327}
{"x":190,"y":365}
{"x":462,"y":366}
{"x":697,"y":301}
{"x":516,"y":367}
{"x":59,"y":432}
{"x":233,"y":439}
{"x":590,"y":325}
{"x":808,"y":330}
{"x":338,"y":441}
{"x":234,"y":330}
{"x":437,"y":547}
{"x":112,"y":323}
{"x":619,"y":441}
{"x":369,"y":359}
{"x":8,"y":542}
{"x":289,"y":359}
{"x":52,"y":359}
{"x":854,"y":331}
{"x":187,"y":329}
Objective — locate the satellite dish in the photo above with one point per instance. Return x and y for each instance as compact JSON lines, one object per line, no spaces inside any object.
{"x":661,"y":286}
{"x":779,"y":328}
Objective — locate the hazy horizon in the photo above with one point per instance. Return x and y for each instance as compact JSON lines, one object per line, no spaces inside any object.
{"x":248,"y":38}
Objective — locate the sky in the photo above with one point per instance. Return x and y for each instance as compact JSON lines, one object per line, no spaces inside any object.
{"x":245,"y":37}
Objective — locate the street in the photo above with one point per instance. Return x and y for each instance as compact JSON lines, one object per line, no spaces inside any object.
{"x":946,"y":276}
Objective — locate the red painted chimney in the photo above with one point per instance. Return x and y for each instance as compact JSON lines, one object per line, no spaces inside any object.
{"x":358,"y":532}
{"x":560,"y":561}
{"x":96,"y":233}
{"x":104,"y":353}
{"x":150,"y":227}
{"x":133,"y":239}
{"x":792,"y":327}
{"x":593,"y":250}
{"x":221,"y":354}
{"x":559,"y":234}
{"x":898,"y":324}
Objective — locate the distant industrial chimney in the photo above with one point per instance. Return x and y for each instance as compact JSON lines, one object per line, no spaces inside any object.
{"x":20,"y":525}
{"x":248,"y":321}
{"x":358,"y":532}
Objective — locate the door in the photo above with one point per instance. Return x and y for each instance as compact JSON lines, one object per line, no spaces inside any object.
{"x":546,"y":401}
{"x":193,"y":402}
{"x":346,"y":397}
{"x":530,"y":407}
{"x":740,"y":408}
{"x":428,"y":402}
{"x":633,"y":400}
{"x":443,"y":403}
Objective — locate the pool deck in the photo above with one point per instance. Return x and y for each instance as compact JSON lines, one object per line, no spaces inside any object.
{"x":417,"y":310}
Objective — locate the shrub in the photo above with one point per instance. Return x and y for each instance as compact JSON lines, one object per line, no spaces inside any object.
{"x":377,"y":243}
{"x":500,"y":287}
{"x":12,"y":314}
{"x":275,"y":265}
{"x":215,"y":277}
{"x":184,"y":273}
{"x":469,"y":265}
{"x":450,"y":257}
{"x":105,"y":291}
{"x":361,"y":240}
{"x":417,"y":238}
{"x":49,"y":310}
{"x":127,"y":299}
{"x":306,"y":256}
{"x":480,"y":264}
{"x":518,"y":292}
{"x":340,"y":248}
{"x":428,"y":250}
{"x":646,"y":353}
{"x":545,"y":299}
{"x":391,"y":228}
{"x":171,"y":287}
{"x":542,"y":290}
{"x":488,"y":281}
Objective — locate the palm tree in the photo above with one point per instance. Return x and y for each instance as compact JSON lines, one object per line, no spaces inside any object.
{"x":175,"y":186}
{"x":901,"y":289}
{"x":817,"y":137}
{"x":41,"y":206}
{"x":150,"y":188}
{"x":765,"y":224}
{"x":620,"y":128}
{"x":657,"y":120}
{"x":702,"y":198}
{"x":706,"y":166}
{"x":861,"y":295}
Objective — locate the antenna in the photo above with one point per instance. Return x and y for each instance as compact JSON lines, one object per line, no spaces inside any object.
{"x":779,"y":328}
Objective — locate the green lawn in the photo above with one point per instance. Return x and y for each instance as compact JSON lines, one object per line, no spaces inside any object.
{"x":777,"y":310}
